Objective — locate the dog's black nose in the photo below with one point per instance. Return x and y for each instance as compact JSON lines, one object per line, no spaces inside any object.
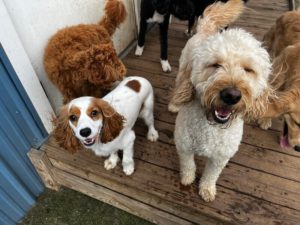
{"x":85,"y":132}
{"x":230,"y":96}
{"x":297,"y":148}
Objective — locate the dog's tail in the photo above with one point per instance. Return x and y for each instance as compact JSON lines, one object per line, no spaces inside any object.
{"x":219,"y":15}
{"x":115,"y":14}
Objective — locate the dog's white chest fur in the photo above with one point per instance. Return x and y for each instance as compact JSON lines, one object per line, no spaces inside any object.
{"x":156,"y":18}
{"x":195,"y":133}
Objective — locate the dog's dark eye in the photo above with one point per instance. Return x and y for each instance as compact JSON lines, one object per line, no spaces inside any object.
{"x":94,"y":113}
{"x":248,"y":70}
{"x":73,"y":118}
{"x":216,"y":65}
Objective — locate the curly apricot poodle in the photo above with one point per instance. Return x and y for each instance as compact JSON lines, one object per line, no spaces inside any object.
{"x":81,"y":60}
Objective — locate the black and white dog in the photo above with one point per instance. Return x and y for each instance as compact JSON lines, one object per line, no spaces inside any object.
{"x":159,"y":11}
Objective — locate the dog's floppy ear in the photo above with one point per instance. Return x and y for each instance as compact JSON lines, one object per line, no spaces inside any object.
{"x":113,"y":122}
{"x":183,"y":91}
{"x":282,"y":102}
{"x":63,"y":133}
{"x":259,"y":106}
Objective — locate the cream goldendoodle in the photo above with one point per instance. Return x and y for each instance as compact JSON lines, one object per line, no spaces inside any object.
{"x":222,"y":79}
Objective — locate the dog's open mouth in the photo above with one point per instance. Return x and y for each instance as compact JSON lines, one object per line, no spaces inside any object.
{"x":222,"y":114}
{"x":89,"y":141}
{"x":284,"y":140}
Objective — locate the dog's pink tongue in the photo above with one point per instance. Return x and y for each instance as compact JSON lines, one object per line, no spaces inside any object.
{"x":224,"y":112}
{"x":284,"y":142}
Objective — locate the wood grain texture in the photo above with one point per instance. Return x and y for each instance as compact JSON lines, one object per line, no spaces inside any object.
{"x":123,"y":202}
{"x":89,"y":167}
{"x":158,"y":184}
{"x":44,"y":168}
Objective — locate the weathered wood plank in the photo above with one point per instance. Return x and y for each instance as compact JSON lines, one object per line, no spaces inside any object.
{"x":44,"y":168}
{"x":90,"y":167}
{"x":235,"y":177}
{"x":118,"y":200}
{"x":164,"y":183}
{"x":151,"y":65}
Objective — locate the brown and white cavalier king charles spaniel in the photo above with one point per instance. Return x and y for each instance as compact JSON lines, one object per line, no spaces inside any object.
{"x":105,"y":125}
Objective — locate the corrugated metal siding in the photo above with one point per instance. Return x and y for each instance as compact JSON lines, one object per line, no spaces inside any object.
{"x":20,"y":129}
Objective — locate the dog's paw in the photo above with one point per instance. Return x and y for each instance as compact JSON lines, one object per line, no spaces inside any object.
{"x":187,"y":178}
{"x":128,"y":169}
{"x":208,"y":192}
{"x":110,"y":164}
{"x":139,"y":50}
{"x":265,"y":123}
{"x":188,"y":33}
{"x":152,"y":135}
{"x":173,"y":108}
{"x":165,"y":65}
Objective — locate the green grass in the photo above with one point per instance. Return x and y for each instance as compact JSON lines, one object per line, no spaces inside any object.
{"x":68,"y":207}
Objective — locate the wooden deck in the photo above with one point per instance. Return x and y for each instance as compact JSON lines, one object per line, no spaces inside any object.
{"x":260,"y":185}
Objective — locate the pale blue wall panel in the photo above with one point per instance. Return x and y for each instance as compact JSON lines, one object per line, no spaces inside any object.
{"x":20,"y":130}
{"x":4,"y":220}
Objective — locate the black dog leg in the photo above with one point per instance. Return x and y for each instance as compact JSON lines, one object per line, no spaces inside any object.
{"x":141,"y":38}
{"x":189,"y":31}
{"x":163,"y":28}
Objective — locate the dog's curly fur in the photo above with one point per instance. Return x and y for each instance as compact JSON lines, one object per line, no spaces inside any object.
{"x":283,"y":43}
{"x":81,"y":60}
{"x":212,"y":63}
